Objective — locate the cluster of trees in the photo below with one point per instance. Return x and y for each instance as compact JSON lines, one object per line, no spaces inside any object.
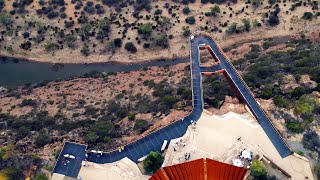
{"x":217,"y":1}
{"x":266,"y":74}
{"x":234,"y":28}
{"x":215,"y":89}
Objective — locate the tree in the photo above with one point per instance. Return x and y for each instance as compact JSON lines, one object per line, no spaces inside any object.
{"x":131,"y":116}
{"x":294,"y":127}
{"x":215,"y":10}
{"x":153,"y":162}
{"x":232,"y":29}
{"x":186,"y":10}
{"x":130,"y":47}
{"x":140,"y":125}
{"x":50,"y":46}
{"x":92,"y":137}
{"x":117,"y":42}
{"x":186,"y":31}
{"x":246,"y":24}
{"x":5,"y":19}
{"x":42,"y":139}
{"x":161,"y":40}
{"x":85,"y":30}
{"x":298,"y":92}
{"x":85,"y":50}
{"x":256,"y":2}
{"x":258,"y":169}
{"x":306,"y":105}
{"x":41,"y":176}
{"x":190,"y":20}
{"x":311,"y":140}
{"x":307,"y":16}
{"x":145,"y":29}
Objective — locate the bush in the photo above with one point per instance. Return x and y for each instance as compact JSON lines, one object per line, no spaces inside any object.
{"x":273,"y":20}
{"x":258,"y":169}
{"x":232,"y":29}
{"x":117,"y":42}
{"x":161,"y":40}
{"x":307,"y":16}
{"x":186,"y":31}
{"x":246,"y":24}
{"x":294,"y":127}
{"x":131,"y":116}
{"x":42,"y":139}
{"x":145,"y":29}
{"x":169,"y":101}
{"x":85,"y":50}
{"x":190,"y":20}
{"x":215,"y":10}
{"x":6,"y":19}
{"x":153,"y":162}
{"x":140,"y":125}
{"x":50,"y":46}
{"x":298,"y":92}
{"x":311,"y":140}
{"x":281,"y":102}
{"x":28,"y":102}
{"x":92,"y":137}
{"x":41,"y":176}
{"x":130,"y":47}
{"x":306,"y":105}
{"x":186,"y":10}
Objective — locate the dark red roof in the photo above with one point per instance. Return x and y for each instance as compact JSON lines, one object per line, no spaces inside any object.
{"x":200,"y":169}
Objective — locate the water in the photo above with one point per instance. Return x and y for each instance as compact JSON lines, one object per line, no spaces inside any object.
{"x":14,"y":72}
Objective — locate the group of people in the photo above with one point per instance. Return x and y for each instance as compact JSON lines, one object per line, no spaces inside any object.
{"x":121,"y":148}
{"x":66,"y":162}
{"x":176,"y":144}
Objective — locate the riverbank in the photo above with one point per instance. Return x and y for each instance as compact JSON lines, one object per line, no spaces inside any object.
{"x":78,"y":39}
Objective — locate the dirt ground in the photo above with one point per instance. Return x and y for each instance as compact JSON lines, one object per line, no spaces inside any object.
{"x":290,"y":24}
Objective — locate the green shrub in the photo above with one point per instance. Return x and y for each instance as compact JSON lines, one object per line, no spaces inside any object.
{"x":153,"y":162}
{"x":186,"y":31}
{"x":28,"y":102}
{"x":6,"y":19}
{"x":131,"y":47}
{"x":258,"y":169}
{"x":306,"y":105}
{"x":85,"y":50}
{"x":50,"y":46}
{"x":186,"y":10}
{"x":140,"y":125}
{"x":41,"y":176}
{"x":307,"y":15}
{"x":281,"y":102}
{"x":42,"y":139}
{"x":145,"y":29}
{"x":215,"y":10}
{"x":131,"y":116}
{"x":190,"y":20}
{"x":92,"y":137}
{"x":311,"y":140}
{"x":294,"y":127}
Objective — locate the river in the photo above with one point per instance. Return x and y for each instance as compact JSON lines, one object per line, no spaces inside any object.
{"x":14,"y":72}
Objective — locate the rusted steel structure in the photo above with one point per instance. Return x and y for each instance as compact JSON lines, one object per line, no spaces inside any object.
{"x":200,"y":169}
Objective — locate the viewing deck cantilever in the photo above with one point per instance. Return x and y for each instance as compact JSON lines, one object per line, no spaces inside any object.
{"x":154,"y":140}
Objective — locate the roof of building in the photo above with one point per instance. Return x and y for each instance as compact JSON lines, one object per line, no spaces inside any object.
{"x":200,"y":169}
